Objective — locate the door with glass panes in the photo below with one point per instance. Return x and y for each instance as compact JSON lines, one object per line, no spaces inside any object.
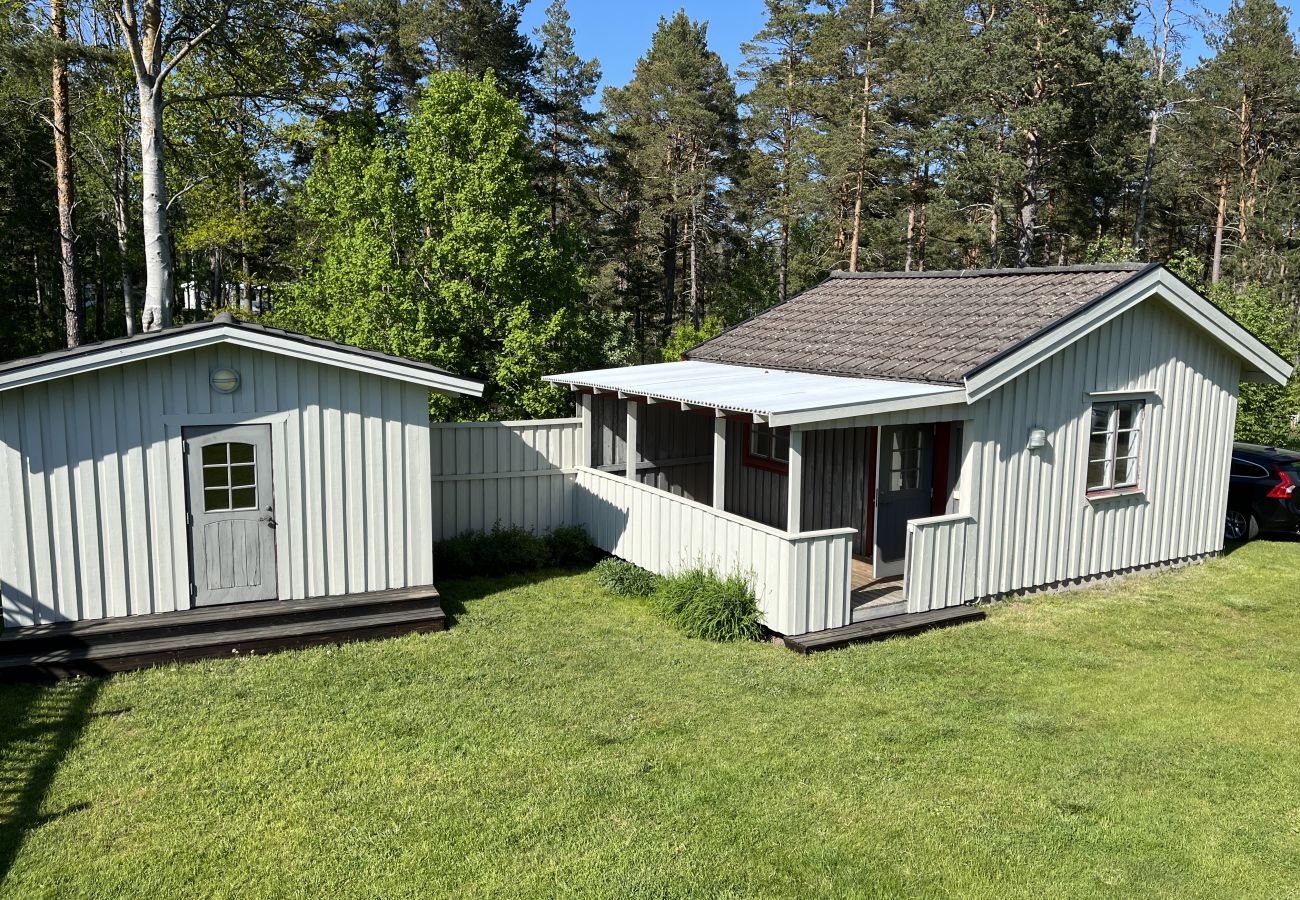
{"x":231,"y":513}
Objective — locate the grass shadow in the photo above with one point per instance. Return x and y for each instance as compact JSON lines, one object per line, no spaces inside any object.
{"x":456,"y":593}
{"x":41,"y":725}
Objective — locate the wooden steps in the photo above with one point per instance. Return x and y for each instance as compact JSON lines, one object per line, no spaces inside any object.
{"x":105,"y":646}
{"x":879,"y":629}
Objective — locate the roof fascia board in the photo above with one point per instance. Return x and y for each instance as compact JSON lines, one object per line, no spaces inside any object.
{"x":206,"y":337}
{"x":876,"y":407}
{"x":1158,"y":281}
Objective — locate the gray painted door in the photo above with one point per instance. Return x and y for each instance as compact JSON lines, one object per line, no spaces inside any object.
{"x":906,"y":471}
{"x":232,"y":513}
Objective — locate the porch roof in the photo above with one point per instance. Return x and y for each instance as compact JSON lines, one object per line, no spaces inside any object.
{"x":776,"y":396}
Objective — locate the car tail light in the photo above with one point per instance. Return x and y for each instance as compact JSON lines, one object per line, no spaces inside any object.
{"x":1283,"y":489}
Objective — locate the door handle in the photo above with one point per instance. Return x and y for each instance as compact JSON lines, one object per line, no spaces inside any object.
{"x":269,"y":520}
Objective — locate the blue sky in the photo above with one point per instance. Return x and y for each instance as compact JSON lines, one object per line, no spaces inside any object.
{"x":618,"y":33}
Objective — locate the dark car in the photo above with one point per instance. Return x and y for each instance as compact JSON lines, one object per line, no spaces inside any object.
{"x":1263,"y":492}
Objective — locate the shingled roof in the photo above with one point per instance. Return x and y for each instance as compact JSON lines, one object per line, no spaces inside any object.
{"x":918,"y":326}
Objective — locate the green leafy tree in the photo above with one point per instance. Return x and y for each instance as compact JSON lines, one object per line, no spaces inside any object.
{"x":428,"y":240}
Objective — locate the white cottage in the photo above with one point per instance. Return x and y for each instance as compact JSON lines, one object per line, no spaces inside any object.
{"x":212,"y":464}
{"x":887,"y":447}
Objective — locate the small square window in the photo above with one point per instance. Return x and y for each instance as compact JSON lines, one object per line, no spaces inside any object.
{"x":1115,"y":445}
{"x":768,"y":448}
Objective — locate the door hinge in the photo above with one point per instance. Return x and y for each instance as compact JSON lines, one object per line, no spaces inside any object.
{"x":189,"y":519}
{"x":194,"y":591}
{"x":185,"y":448}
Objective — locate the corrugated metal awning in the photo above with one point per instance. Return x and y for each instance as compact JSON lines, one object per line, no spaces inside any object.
{"x":772,"y":395}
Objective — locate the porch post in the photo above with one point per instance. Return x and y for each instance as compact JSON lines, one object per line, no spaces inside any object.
{"x":719,"y":460}
{"x":631,"y":443}
{"x":795,"y":483}
{"x":584,"y":449}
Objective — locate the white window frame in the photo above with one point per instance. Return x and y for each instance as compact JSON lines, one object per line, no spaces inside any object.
{"x":1111,"y":459}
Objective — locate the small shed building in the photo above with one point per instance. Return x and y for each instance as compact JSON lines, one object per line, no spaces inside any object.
{"x":208,"y":464}
{"x":892,"y":444}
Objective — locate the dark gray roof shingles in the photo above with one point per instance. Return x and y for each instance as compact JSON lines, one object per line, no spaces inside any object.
{"x":931,"y":326}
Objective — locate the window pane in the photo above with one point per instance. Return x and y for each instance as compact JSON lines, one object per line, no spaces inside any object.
{"x":1099,"y":448}
{"x":1097,"y":475}
{"x":756,"y":442}
{"x":1101,"y":416}
{"x":214,"y":454}
{"x":1126,"y":471}
{"x":241,"y":453}
{"x":215,"y":477}
{"x":1130,"y":414}
{"x":781,"y":446}
{"x":243,"y":498}
{"x":216,"y":500}
{"x":1127,"y":443}
{"x":243,"y":476}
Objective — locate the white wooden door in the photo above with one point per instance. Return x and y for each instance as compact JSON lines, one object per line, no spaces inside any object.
{"x":231,"y":513}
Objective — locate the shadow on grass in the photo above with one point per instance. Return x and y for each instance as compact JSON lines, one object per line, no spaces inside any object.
{"x":1231,"y":547}
{"x":456,"y":593}
{"x":40,"y":726}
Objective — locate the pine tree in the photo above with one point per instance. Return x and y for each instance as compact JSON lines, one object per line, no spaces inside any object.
{"x":780,"y":122}
{"x":678,"y":122}
{"x":563,"y":125}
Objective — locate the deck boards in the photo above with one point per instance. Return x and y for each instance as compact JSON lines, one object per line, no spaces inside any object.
{"x":878,"y":629}
{"x":106,"y":646}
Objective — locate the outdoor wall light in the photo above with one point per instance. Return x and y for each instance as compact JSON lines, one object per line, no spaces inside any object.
{"x":1037,"y":438}
{"x":224,"y":381}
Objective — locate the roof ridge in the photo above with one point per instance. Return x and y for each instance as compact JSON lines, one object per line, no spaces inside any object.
{"x":980,"y":273}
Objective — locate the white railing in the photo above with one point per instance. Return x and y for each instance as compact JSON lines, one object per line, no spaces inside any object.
{"x":802,"y":581}
{"x":515,"y":473}
{"x":940,"y":565}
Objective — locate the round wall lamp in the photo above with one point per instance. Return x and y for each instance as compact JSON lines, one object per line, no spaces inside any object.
{"x":224,"y":381}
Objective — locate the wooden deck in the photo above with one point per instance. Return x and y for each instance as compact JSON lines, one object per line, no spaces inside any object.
{"x":874,"y":598}
{"x":881,"y":628}
{"x":106,"y":646}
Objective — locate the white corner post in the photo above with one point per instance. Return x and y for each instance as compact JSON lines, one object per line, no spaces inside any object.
{"x":795,"y":483}
{"x":719,"y":459}
{"x":631,"y":443}
{"x":584,"y":448}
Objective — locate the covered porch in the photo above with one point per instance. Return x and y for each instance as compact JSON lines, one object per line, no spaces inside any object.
{"x":839,"y":498}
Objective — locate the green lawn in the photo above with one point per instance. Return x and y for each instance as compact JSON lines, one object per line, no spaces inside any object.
{"x":1140,"y":740}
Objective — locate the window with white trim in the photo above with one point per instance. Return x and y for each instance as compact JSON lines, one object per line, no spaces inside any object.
{"x":768,"y":448}
{"x":1115,"y":445}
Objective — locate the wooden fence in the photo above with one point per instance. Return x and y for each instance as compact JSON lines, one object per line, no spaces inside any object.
{"x":514,"y":473}
{"x":940,"y":565}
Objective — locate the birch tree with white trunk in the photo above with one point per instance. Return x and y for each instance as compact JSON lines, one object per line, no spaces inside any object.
{"x":158,"y":37}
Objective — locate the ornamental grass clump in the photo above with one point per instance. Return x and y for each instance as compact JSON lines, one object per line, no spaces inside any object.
{"x":621,"y":577}
{"x":707,"y":606}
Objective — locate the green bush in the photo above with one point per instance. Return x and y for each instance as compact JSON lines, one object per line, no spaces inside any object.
{"x":569,"y":546}
{"x":707,"y":606}
{"x":509,"y":549}
{"x":621,"y":577}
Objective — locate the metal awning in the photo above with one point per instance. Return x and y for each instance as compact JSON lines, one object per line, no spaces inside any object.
{"x":774,"y":396}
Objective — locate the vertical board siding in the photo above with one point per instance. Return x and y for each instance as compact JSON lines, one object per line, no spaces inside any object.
{"x":758,"y":494}
{"x":511,"y":473}
{"x":94,"y":510}
{"x":835,"y":481}
{"x":1037,"y":526}
{"x":939,"y":569}
{"x":801,"y":581}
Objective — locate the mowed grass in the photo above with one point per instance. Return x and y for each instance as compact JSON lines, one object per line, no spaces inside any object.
{"x":1142,"y":739}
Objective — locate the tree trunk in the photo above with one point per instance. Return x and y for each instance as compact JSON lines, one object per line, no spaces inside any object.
{"x":159,"y":288}
{"x":862,"y":147}
{"x":1220,"y":220}
{"x":1029,"y":199}
{"x":122,"y":224}
{"x":995,"y":204}
{"x":1148,"y":169}
{"x":670,"y":271}
{"x":74,"y":311}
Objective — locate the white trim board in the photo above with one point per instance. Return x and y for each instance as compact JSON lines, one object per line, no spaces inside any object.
{"x":195,"y":338}
{"x":1261,"y":363}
